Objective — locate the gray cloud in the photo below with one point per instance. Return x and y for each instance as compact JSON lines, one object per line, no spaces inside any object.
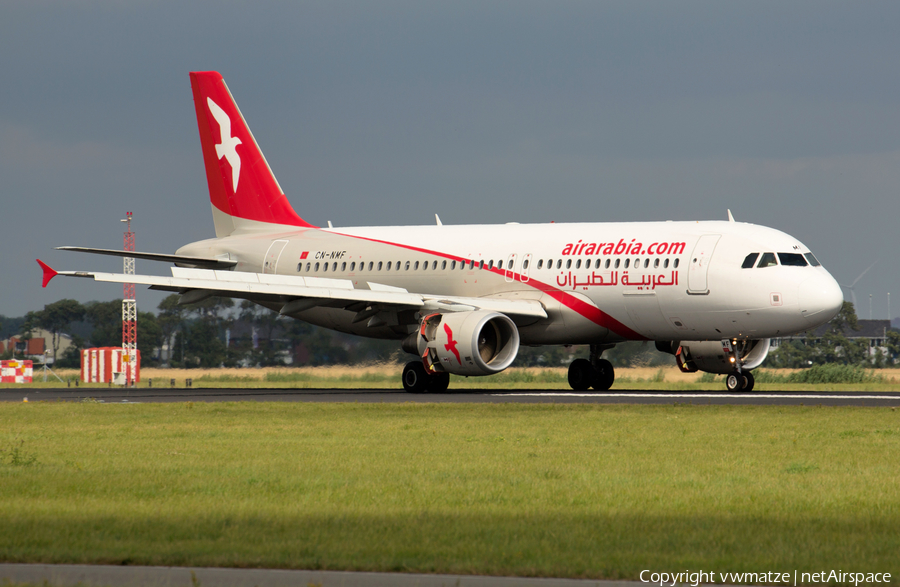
{"x":388,"y":112}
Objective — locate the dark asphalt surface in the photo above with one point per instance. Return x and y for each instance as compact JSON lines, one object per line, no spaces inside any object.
{"x":159,"y":395}
{"x":136,"y":576}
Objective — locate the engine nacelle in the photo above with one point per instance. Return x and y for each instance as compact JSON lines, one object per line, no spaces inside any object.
{"x":711,"y":357}
{"x":466,"y":343}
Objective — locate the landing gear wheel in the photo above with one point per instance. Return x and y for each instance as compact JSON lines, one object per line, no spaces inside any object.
{"x":581,"y":374}
{"x":750,"y":380}
{"x":737,"y":381}
{"x":415,"y":378}
{"x":604,"y":375}
{"x":438,"y":382}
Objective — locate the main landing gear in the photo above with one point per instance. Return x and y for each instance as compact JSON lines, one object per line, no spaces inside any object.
{"x":597,"y":373}
{"x":417,"y":380}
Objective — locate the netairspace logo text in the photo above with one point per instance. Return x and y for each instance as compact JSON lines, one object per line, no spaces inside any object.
{"x":695,"y":578}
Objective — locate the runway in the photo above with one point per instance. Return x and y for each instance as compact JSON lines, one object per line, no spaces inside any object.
{"x":163,"y":395}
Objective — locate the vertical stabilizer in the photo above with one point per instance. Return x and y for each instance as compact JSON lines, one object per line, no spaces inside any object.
{"x":242,"y":188}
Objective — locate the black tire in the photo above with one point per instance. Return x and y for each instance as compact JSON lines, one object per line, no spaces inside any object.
{"x":415,"y":378}
{"x":438,"y":382}
{"x":604,"y":375}
{"x":750,"y":381}
{"x":581,"y":374}
{"x":735,"y":381}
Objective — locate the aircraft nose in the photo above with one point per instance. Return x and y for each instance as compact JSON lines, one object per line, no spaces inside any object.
{"x":820,"y":298}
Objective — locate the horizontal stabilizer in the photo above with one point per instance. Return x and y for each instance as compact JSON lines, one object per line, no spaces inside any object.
{"x":180,"y":260}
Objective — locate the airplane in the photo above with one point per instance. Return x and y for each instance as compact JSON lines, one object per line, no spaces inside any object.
{"x":463,"y":299}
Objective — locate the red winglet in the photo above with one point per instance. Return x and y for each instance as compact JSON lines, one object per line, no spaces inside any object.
{"x":49,"y":273}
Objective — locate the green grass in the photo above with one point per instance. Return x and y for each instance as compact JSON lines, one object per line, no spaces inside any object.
{"x":543,"y":490}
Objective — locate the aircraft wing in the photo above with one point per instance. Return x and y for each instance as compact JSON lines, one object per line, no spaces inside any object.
{"x":301,"y":293}
{"x":180,"y":260}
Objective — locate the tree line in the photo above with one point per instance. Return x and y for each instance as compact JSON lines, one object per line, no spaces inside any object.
{"x":218,"y":332}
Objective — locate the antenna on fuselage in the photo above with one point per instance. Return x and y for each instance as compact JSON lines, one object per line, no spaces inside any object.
{"x":730,"y":217}
{"x":438,"y":220}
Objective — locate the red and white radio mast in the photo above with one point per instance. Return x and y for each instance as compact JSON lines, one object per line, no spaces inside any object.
{"x":129,"y":310}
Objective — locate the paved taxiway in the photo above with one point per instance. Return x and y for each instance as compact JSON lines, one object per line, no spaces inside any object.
{"x":160,"y":395}
{"x":136,"y":576}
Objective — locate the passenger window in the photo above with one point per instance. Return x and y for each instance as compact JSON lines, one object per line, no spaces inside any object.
{"x":666,"y":264}
{"x":416,"y":268}
{"x":481,"y":264}
{"x":656,"y":264}
{"x":307,"y":267}
{"x":434,"y":265}
{"x":792,"y":259}
{"x":524,"y":264}
{"x":812,"y":259}
{"x":398,"y":265}
{"x":647,"y":263}
{"x":490,"y":264}
{"x":379,"y":265}
{"x":325,"y":267}
{"x":500,"y":264}
{"x":676,"y":264}
{"x":606,"y":265}
{"x":452,"y":265}
{"x":472,"y":264}
{"x":540,"y":263}
{"x":317,"y":266}
{"x":597,"y":264}
{"x":617,"y":263}
{"x":343,"y":266}
{"x":425,"y":266}
{"x":334,"y":266}
{"x":578,"y":264}
{"x":749,"y":260}
{"x":407,"y":266}
{"x":627,"y":263}
{"x":443,"y":265}
{"x":569,"y":264}
{"x":388,"y":266}
{"x":559,"y":263}
{"x":370,"y":265}
{"x":768,"y":260}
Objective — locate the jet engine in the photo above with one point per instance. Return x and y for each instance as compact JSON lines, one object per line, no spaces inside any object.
{"x":465,"y":343}
{"x":711,"y":356}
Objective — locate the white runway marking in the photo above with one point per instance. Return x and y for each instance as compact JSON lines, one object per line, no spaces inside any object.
{"x":697,"y":395}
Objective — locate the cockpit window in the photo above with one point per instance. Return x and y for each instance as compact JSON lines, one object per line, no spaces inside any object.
{"x":792,"y":259}
{"x":812,"y":259}
{"x":768,"y":260}
{"x":750,"y":260}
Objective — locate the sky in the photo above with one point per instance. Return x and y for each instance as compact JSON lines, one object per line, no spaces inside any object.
{"x":369,"y":113}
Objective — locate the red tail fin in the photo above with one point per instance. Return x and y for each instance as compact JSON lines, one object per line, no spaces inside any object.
{"x":49,"y":273}
{"x":241,"y":184}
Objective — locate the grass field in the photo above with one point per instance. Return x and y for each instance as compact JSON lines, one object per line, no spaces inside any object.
{"x":543,"y":490}
{"x":388,"y":377}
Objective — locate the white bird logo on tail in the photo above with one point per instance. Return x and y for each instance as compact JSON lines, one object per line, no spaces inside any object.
{"x":227,"y":147}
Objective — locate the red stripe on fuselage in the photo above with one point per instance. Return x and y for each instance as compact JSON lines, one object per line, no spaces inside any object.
{"x":592,"y":313}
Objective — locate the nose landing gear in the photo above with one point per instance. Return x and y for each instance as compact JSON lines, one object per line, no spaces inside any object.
{"x":740,"y":381}
{"x":737,"y":380}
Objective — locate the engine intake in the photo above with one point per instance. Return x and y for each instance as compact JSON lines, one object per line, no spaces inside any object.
{"x":465,"y":343}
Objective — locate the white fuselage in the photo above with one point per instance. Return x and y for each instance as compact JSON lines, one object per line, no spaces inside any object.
{"x":599,"y":282}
